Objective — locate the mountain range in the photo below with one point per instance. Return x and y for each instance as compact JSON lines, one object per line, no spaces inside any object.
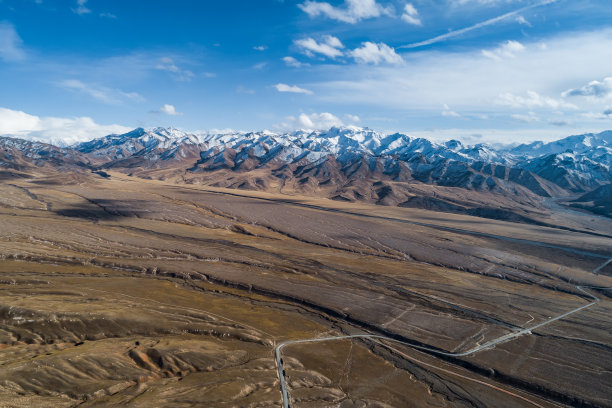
{"x":346,"y":163}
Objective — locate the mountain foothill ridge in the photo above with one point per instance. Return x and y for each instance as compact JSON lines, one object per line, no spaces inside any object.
{"x":348,"y":164}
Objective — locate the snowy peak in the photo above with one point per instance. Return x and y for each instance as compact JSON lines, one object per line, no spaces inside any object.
{"x":576,"y":143}
{"x":138,"y":141}
{"x":21,"y":154}
{"x":576,"y":163}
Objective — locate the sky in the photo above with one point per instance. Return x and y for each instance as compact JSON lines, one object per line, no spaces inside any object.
{"x":493,"y":71}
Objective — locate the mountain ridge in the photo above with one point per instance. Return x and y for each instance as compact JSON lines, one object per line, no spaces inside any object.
{"x":348,"y":163}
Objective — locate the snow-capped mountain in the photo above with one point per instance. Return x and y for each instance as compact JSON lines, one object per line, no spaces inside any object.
{"x":343,"y":163}
{"x":19,"y":154}
{"x":578,"y":144}
{"x":576,"y":163}
{"x":139,"y":142}
{"x":341,"y":154}
{"x":342,"y":142}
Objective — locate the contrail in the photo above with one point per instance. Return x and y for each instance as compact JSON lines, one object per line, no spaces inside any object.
{"x":476,"y":26}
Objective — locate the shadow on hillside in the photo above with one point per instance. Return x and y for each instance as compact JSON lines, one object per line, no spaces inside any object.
{"x":9,"y":175}
{"x":105,"y":209}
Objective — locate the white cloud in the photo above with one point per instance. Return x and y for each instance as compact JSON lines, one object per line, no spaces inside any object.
{"x":351,"y":11}
{"x":596,"y":89}
{"x":530,"y":117}
{"x":471,"y":83}
{"x":448,"y":112}
{"x":330,"y":46}
{"x":606,"y":114}
{"x":168,"y":64}
{"x":103,"y":94}
{"x":411,"y":15}
{"x":108,"y":15}
{"x":260,"y":65}
{"x":11,"y":46}
{"x":492,"y":136}
{"x":509,"y":49}
{"x":292,"y":62}
{"x":352,"y":118}
{"x":241,"y":89}
{"x":491,"y":21}
{"x":523,"y":21}
{"x":532,"y":100}
{"x":292,"y":89}
{"x":169,"y":110}
{"x":260,"y":48}
{"x":560,"y":122}
{"x":481,"y":2}
{"x":314,"y":121}
{"x":372,"y":53}
{"x":61,"y":131}
{"x":81,"y":8}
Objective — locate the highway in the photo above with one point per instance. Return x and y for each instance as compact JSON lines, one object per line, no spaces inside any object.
{"x":492,"y":343}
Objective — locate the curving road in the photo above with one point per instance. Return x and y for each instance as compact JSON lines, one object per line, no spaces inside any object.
{"x":502,"y":339}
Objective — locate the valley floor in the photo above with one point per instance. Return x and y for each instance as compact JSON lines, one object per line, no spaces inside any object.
{"x":126,"y":292}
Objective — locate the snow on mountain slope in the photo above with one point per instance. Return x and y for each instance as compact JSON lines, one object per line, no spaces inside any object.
{"x":577,"y":143}
{"x":22,"y":154}
{"x":340,"y":154}
{"x":572,"y":171}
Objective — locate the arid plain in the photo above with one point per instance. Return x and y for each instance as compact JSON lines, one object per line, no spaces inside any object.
{"x":120,"y":291}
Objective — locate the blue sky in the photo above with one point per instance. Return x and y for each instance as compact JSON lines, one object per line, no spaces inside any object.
{"x":479,"y":70}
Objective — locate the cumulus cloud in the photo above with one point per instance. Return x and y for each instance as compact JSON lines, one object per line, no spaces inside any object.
{"x":292,"y":89}
{"x":532,"y":100}
{"x":313,"y":121}
{"x":330,"y":46}
{"x":103,"y":94}
{"x":81,"y":7}
{"x":351,"y":11}
{"x":169,"y":110}
{"x":597,"y":89}
{"x":431,"y":78}
{"x":260,"y":48}
{"x":168,"y":64}
{"x":56,"y":130}
{"x":448,"y":112}
{"x":509,"y":49}
{"x":292,"y":62}
{"x":108,"y":15}
{"x":11,"y":46}
{"x":372,"y":53}
{"x":608,"y":111}
{"x":411,"y":15}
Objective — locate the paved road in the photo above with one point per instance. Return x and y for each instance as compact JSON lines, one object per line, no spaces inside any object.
{"x":600,"y":267}
{"x":492,"y":343}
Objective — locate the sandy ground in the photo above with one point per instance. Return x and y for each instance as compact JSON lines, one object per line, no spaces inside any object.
{"x":125,"y":292}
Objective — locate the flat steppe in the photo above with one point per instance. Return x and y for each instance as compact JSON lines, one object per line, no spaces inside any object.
{"x":127,"y":292}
